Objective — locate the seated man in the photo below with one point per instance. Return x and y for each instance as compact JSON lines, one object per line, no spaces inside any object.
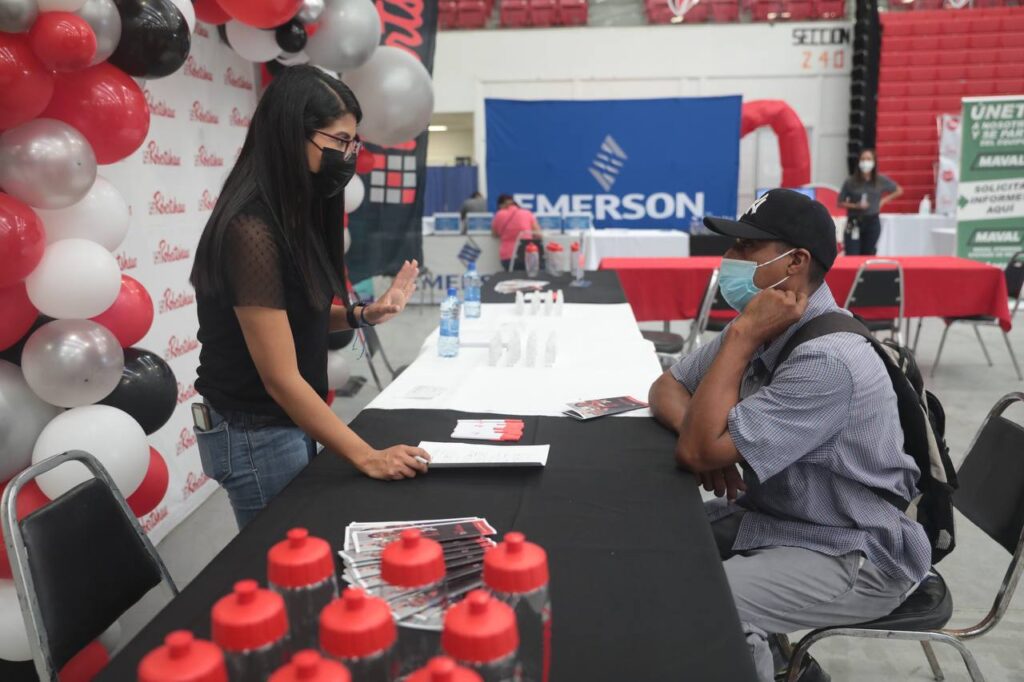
{"x":809,"y":543}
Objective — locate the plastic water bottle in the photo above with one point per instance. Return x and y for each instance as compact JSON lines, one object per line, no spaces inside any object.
{"x":471,"y":291}
{"x":301,"y":570}
{"x":516,"y":572}
{"x":414,"y":563}
{"x":251,"y":626}
{"x":576,"y":262}
{"x":359,"y":631}
{"x":480,"y":633}
{"x":443,"y":669}
{"x":925,"y":207}
{"x":183,"y":658}
{"x":448,"y":341}
{"x":532,"y":260}
{"x":309,"y":666}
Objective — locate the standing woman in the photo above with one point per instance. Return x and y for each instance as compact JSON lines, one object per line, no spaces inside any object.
{"x":863,"y":195}
{"x":267,"y":267}
{"x":509,"y":222}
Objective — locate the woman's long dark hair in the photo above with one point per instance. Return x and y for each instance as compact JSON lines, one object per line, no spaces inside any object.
{"x":273,"y":166}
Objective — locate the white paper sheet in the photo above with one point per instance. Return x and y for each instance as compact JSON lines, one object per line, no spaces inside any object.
{"x":475,"y":455}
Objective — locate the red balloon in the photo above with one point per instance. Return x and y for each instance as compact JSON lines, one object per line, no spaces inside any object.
{"x":330,"y":397}
{"x":16,"y":314}
{"x":106,"y":106}
{"x":63,"y":41}
{"x":22,"y":240}
{"x":131,"y":315}
{"x":29,"y":499}
{"x":26,"y":85}
{"x":86,"y":664}
{"x":211,"y":12}
{"x":261,"y":13}
{"x":153,"y":487}
{"x":365,"y":161}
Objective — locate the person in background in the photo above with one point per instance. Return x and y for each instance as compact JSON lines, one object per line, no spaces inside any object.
{"x":509,"y":222}
{"x":863,"y":195}
{"x":267,"y":266}
{"x":476,"y":203}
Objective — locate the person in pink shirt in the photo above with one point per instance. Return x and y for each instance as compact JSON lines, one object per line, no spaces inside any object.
{"x":509,"y":222}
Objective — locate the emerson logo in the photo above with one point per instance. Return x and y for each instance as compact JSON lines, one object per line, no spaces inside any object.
{"x":609,"y":161}
{"x":996,"y":237}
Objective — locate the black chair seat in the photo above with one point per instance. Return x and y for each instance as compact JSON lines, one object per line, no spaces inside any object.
{"x":929,"y":608}
{"x":665,"y":342}
{"x":880,"y":325}
{"x":971,"y":318}
{"x":716,"y":325}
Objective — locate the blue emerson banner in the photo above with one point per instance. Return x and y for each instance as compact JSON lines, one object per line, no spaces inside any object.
{"x":652,"y":163}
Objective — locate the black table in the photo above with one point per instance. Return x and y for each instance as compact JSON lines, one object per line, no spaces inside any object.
{"x":604,"y":287}
{"x":637,"y":588}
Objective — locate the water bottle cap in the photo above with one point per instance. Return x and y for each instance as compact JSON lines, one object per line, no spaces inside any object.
{"x":575,"y":246}
{"x":356,"y":625}
{"x":452,"y":291}
{"x":443,"y":669}
{"x":554,"y":246}
{"x":310,"y":666}
{"x":531,"y":248}
{"x":479,"y":629}
{"x":183,"y":657}
{"x":248,"y":618}
{"x":472,"y":265}
{"x":412,"y":560}
{"x":300,"y":560}
{"x":515,"y":566}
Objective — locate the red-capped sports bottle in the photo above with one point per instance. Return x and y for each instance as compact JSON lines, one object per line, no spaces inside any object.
{"x":183,"y":658}
{"x":516,"y":572}
{"x":301,"y":570}
{"x":309,"y":666}
{"x":480,"y":633}
{"x":251,"y":626}
{"x":413,"y":570}
{"x":532,"y":257}
{"x":443,"y":669}
{"x":359,"y":631}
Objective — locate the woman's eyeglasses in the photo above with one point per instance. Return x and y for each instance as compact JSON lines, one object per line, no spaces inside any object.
{"x":349,"y":148}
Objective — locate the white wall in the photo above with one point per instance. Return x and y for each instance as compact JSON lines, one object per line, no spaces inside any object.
{"x":759,"y":61}
{"x":444,"y":148}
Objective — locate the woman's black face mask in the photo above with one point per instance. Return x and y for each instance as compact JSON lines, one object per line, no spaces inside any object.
{"x":335,"y":172}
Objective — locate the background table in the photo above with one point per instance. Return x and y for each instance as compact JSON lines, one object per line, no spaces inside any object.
{"x":620,"y":242}
{"x":935,"y":286}
{"x":911,"y":234}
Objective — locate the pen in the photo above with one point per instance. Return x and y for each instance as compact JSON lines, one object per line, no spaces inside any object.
{"x":421,"y":460}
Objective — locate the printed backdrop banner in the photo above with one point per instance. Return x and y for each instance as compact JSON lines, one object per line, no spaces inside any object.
{"x":949,"y":164}
{"x":654,"y":163}
{"x":387,"y":228}
{"x":199,"y":118}
{"x":990,"y":207}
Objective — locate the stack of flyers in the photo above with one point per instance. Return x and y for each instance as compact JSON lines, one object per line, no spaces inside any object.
{"x":464,"y":541}
{"x":489,"y":429}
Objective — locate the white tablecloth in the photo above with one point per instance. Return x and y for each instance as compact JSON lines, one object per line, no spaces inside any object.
{"x":601,"y":354}
{"x":615,"y":242}
{"x":910,"y":234}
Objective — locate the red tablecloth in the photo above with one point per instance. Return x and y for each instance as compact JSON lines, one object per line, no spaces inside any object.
{"x":935,"y":286}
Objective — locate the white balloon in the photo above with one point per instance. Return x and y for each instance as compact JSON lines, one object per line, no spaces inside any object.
{"x":187,"y":11}
{"x":13,"y":634}
{"x":395,"y":93}
{"x":60,"y":5}
{"x":107,"y":433}
{"x":111,"y":637}
{"x":22,"y":418}
{"x":293,"y":58}
{"x":252,"y":43}
{"x":348,"y":240}
{"x":355,"y":191}
{"x":75,"y":279}
{"x":337,"y":370}
{"x":101,"y":216}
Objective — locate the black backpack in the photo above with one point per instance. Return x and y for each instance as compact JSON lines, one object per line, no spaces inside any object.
{"x":924,"y":425}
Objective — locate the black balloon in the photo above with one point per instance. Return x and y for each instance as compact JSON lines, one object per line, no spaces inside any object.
{"x":274,"y":67}
{"x":291,"y":37}
{"x":222,"y":31}
{"x":155,"y":39}
{"x":13,"y":354}
{"x":148,"y":390}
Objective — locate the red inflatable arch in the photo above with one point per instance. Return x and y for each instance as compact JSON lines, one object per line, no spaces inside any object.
{"x":794,"y":151}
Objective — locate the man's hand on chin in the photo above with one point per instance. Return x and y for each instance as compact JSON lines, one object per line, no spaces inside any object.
{"x":769,"y":314}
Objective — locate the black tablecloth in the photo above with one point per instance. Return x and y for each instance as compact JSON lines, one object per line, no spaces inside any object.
{"x":604,"y":287}
{"x":638,"y":591}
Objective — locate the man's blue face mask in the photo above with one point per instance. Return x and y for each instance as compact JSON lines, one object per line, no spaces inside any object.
{"x":736,"y":280}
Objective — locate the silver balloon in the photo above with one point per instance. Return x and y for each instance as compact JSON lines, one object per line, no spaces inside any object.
{"x":105,"y":21}
{"x":396,"y":95}
{"x":46,"y":164}
{"x":310,"y":11}
{"x":17,"y":16}
{"x":22,"y":418}
{"x":72,"y":363}
{"x":348,"y":35}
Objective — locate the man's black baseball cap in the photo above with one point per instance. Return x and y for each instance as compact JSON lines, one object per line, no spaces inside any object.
{"x":785,"y":215}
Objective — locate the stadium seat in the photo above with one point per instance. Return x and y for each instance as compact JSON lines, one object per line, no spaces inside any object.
{"x":1007,"y":56}
{"x":953,"y":27}
{"x":984,"y":24}
{"x":725,"y":11}
{"x":892,"y":89}
{"x":697,"y":14}
{"x":447,"y":13}
{"x":977,"y":88}
{"x":514,"y":13}
{"x":542,"y":12}
{"x":955,"y":72}
{"x":765,"y":10}
{"x":958,"y":41}
{"x":896,"y":30}
{"x":472,"y":14}
{"x":798,"y":10}
{"x":1014,"y":24}
{"x":921,"y":89}
{"x":899,"y":44}
{"x":1008,"y":86}
{"x":926,"y":28}
{"x":572,"y":12}
{"x":829,"y":9}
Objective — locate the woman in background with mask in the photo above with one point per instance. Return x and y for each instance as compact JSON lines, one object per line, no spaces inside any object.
{"x":267,"y":267}
{"x":863,"y":195}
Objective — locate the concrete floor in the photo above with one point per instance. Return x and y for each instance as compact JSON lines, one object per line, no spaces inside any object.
{"x":964,"y":383}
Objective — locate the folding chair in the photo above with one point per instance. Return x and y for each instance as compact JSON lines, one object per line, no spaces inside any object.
{"x":879,"y":284}
{"x":1014,"y":274}
{"x":373,"y":346}
{"x":991,"y":486}
{"x":78,"y":563}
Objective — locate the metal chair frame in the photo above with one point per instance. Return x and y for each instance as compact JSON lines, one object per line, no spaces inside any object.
{"x":889,"y":263}
{"x":955,"y":638}
{"x":18,"y":553}
{"x":700,"y":324}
